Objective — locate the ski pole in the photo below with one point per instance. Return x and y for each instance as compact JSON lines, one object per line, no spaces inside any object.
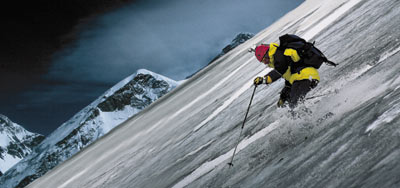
{"x":241,"y":131}
{"x":316,"y":96}
{"x":312,"y":97}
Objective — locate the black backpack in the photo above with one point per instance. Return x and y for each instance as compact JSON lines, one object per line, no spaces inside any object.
{"x":307,"y":51}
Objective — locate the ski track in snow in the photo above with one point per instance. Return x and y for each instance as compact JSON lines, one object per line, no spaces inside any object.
{"x":210,"y":165}
{"x":387,"y":117}
{"x":388,"y":54}
{"x":195,"y":151}
{"x":71,"y":179}
{"x":230,"y":100}
{"x":330,"y":19}
{"x":341,"y":149}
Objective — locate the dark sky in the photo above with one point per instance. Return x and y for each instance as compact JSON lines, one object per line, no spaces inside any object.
{"x":58,"y":56}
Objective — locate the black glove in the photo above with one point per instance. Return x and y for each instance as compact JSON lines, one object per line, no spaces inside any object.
{"x":258,"y":80}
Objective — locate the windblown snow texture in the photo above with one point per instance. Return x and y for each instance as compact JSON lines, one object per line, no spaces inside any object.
{"x":15,"y":143}
{"x":119,"y":103}
{"x":348,"y":138}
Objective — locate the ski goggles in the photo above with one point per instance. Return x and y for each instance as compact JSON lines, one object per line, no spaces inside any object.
{"x":265,"y":59}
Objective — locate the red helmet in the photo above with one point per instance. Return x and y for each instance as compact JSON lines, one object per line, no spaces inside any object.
{"x":260,"y":51}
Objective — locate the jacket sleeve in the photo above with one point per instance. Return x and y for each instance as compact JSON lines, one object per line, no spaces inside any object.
{"x":272,"y":76}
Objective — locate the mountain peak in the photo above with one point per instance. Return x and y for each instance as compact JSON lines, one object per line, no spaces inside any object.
{"x":4,"y":120}
{"x":125,"y":81}
{"x":157,"y":76}
{"x":15,"y":143}
{"x":144,"y":71}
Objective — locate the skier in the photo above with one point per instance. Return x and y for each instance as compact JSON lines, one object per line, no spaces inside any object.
{"x":299,"y":77}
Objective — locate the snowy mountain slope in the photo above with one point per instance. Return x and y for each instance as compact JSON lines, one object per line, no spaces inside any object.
{"x":351,"y":138}
{"x":119,"y":103}
{"x":15,"y":143}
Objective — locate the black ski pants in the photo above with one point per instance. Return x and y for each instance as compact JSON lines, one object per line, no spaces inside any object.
{"x":293,"y":93}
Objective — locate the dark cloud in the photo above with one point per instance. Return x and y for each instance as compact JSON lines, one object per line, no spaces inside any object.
{"x":33,"y":30}
{"x":174,"y":38}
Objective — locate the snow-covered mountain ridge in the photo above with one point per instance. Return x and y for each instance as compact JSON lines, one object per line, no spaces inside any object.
{"x":349,"y":137}
{"x":15,"y":143}
{"x":116,"y":105}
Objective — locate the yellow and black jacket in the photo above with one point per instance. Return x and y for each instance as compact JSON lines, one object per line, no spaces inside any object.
{"x":288,"y":64}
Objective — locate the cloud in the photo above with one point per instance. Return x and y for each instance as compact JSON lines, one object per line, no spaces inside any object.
{"x":173,"y":38}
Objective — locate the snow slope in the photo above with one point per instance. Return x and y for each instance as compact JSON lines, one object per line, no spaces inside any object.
{"x":351,"y":138}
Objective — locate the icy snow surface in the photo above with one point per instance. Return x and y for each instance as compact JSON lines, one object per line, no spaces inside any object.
{"x":4,"y":140}
{"x":318,"y":27}
{"x":346,"y":138}
{"x":210,"y":165}
{"x":231,"y":99}
{"x":8,"y":162}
